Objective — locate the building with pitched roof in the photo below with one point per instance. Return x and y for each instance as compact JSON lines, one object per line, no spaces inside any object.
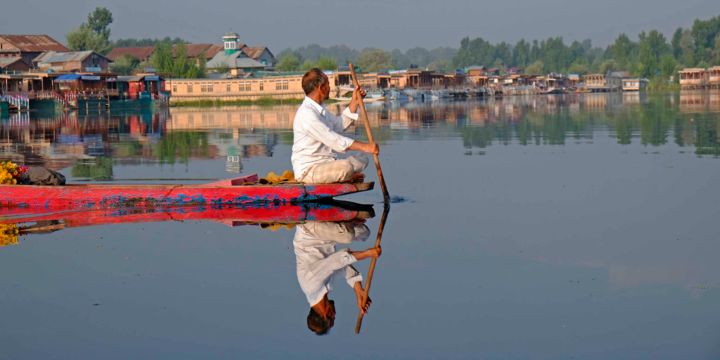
{"x":238,"y":58}
{"x":27,"y":47}
{"x":261,"y":55}
{"x":141,"y":53}
{"x":71,"y":61}
{"x":13,"y":64}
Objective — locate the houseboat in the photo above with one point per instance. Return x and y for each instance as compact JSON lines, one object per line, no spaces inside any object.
{"x":634,"y":84}
{"x":714,"y":77}
{"x":693,"y":78}
{"x":87,"y":91}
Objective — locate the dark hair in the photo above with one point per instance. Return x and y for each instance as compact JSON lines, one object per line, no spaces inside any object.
{"x":313,"y":79}
{"x":317,"y":324}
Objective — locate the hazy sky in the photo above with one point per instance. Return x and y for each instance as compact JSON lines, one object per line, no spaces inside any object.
{"x":386,"y":24}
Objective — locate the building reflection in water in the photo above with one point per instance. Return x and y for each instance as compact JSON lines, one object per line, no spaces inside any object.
{"x":92,"y":143}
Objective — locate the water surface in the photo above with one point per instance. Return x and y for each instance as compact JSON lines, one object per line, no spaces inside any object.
{"x":541,"y":227}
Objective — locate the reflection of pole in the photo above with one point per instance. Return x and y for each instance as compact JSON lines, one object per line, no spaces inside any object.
{"x":371,"y":270}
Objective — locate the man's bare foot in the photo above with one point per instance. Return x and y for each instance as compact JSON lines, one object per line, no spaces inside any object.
{"x":357,"y":177}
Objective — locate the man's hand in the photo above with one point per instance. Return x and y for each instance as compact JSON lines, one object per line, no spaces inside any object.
{"x":365,"y":147}
{"x":359,"y":93}
{"x":359,"y":292}
{"x":357,"y":98}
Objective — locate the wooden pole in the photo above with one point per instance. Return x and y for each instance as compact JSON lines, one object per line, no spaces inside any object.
{"x":371,"y":270}
{"x":363,"y":115}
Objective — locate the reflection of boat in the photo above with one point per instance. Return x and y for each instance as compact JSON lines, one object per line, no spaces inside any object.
{"x":243,"y":190}
{"x":396,"y":95}
{"x":256,"y":214}
{"x":440,"y":94}
{"x":375,"y":94}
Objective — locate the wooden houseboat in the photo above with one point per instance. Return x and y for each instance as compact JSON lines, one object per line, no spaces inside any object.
{"x":634,"y":84}
{"x":693,"y":78}
{"x":714,"y":77}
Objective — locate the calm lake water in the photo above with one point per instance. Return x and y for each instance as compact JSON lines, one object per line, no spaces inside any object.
{"x":548,"y":227}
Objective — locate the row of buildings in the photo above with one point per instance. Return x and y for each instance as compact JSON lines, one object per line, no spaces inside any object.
{"x":699,"y":78}
{"x":36,"y":69}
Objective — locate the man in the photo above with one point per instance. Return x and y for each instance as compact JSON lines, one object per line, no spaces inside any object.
{"x":316,"y":141}
{"x":317,"y":262}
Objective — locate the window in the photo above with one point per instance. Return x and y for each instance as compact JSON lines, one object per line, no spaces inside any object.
{"x":189,"y":88}
{"x":174,"y":88}
{"x":281,"y":85}
{"x":210,"y":88}
{"x":227,"y":88}
{"x":245,"y":86}
{"x":262,"y":86}
{"x":203,"y":88}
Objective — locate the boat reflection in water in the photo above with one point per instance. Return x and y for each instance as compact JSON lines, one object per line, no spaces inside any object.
{"x":318,"y":261}
{"x":17,"y":222}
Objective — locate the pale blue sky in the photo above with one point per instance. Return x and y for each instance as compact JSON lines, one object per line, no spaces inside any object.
{"x":386,"y":24}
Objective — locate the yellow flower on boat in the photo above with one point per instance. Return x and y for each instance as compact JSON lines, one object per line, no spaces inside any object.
{"x":10,"y":172}
{"x":9,"y":234}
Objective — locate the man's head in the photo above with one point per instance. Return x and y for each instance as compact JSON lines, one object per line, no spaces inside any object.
{"x":315,"y":84}
{"x":319,"y":323}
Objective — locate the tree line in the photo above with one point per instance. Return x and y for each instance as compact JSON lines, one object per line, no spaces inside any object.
{"x":649,"y":55}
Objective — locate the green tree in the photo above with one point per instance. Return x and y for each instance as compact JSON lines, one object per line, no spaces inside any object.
{"x":375,"y":60}
{"x":307,"y":65}
{"x":704,"y":33}
{"x":125,"y":65}
{"x":668,"y":65}
{"x":288,"y":61}
{"x":94,"y":34}
{"x":688,"y":51}
{"x":181,"y":63}
{"x":441,"y":65}
{"x":580,"y":66}
{"x":99,"y":21}
{"x":326,"y":63}
{"x":608,"y":65}
{"x":162,"y":59}
{"x":521,"y":53}
{"x":536,"y":68}
{"x":623,"y":51}
{"x":651,"y":48}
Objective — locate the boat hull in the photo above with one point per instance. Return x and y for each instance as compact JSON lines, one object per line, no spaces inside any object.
{"x":31,"y":197}
{"x":253,"y":214}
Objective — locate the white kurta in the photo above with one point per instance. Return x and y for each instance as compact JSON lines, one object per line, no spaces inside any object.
{"x":317,"y":260}
{"x":316,"y":137}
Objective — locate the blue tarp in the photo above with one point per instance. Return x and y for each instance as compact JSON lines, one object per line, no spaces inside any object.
{"x":67,"y":77}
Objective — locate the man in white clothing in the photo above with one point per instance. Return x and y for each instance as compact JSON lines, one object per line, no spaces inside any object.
{"x":316,"y":138}
{"x":317,"y":260}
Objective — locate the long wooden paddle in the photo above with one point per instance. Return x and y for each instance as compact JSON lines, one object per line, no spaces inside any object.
{"x":371,"y":270}
{"x":363,"y":115}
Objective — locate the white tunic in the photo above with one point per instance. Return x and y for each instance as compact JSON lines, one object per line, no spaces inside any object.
{"x":315,"y":135}
{"x":317,"y":260}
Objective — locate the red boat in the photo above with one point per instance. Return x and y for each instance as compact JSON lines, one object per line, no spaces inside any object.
{"x":254,"y":214}
{"x":245,"y":190}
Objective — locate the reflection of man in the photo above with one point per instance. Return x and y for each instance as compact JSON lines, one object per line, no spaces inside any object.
{"x":316,"y":141}
{"x":318,"y":260}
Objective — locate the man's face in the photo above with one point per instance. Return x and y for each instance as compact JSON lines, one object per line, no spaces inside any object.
{"x":331,"y":313}
{"x":325,"y":88}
